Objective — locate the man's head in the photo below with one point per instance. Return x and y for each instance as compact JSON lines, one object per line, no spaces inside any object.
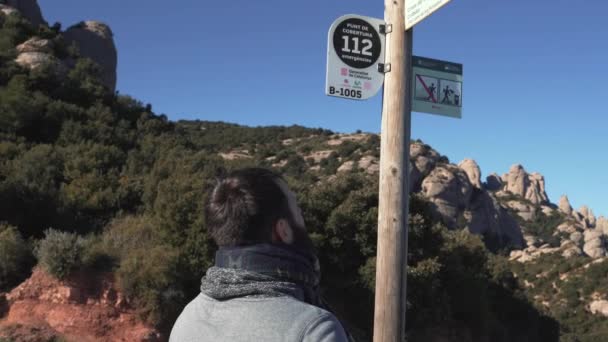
{"x":255,"y":205}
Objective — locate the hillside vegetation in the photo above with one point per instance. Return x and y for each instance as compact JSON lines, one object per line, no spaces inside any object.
{"x":94,"y":180}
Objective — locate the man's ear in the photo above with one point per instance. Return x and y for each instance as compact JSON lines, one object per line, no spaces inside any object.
{"x":283,"y":232}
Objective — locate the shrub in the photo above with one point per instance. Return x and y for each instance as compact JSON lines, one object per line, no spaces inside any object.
{"x":148,"y":276}
{"x":60,"y":253}
{"x":15,"y":257}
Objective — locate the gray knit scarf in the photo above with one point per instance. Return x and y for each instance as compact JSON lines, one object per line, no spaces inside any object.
{"x":267,"y":271}
{"x":263,"y":270}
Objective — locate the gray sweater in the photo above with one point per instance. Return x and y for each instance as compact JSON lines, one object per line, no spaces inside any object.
{"x":267,"y":319}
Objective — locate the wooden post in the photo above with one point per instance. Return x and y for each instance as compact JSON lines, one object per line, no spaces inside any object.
{"x":391,"y":262}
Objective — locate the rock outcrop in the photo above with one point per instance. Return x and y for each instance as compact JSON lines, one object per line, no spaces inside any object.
{"x":422,"y":160}
{"x":28,"y":9}
{"x":564,"y":205}
{"x":599,"y":307}
{"x":528,"y":186}
{"x":472,"y":170}
{"x":493,"y":182}
{"x":37,"y":52}
{"x":95,"y":41}
{"x":595,"y":243}
{"x":602,"y":225}
{"x":449,"y":189}
{"x":485,"y":216}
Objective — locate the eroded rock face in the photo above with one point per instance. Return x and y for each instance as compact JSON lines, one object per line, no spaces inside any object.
{"x":595,"y":244}
{"x":523,"y":210}
{"x":486,"y":217}
{"x":449,"y":189}
{"x":587,"y":217}
{"x":494,"y":182}
{"x":473,"y":171}
{"x":564,"y":205}
{"x":422,"y":161}
{"x":602,"y":224}
{"x":528,"y":186}
{"x":95,"y":41}
{"x":28,"y":9}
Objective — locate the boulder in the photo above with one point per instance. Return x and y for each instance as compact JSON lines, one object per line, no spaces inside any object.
{"x":577,"y":238}
{"x":369,"y":164}
{"x":36,"y":44}
{"x":95,"y":41}
{"x":595,"y":244}
{"x":570,"y":249}
{"x":599,"y":307}
{"x":29,"y":9}
{"x":564,"y":205}
{"x":449,"y":189}
{"x":493,"y":182}
{"x":548,"y":211}
{"x":7,"y":10}
{"x":473,"y":171}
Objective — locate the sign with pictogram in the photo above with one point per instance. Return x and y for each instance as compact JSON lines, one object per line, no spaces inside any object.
{"x":437,"y":87}
{"x":355,"y":48}
{"x":418,"y":10}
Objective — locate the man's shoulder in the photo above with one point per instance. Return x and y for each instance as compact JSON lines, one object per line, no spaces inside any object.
{"x":281,"y":318}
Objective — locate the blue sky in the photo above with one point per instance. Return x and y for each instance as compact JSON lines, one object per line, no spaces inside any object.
{"x":535,"y":93}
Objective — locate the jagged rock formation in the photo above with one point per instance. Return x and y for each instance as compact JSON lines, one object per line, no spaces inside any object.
{"x":95,"y":41}
{"x":422,"y":159}
{"x":472,"y":170}
{"x":564,"y":205}
{"x":493,"y":182}
{"x":449,"y":189}
{"x":29,"y":9}
{"x":528,"y":186}
{"x":485,"y":216}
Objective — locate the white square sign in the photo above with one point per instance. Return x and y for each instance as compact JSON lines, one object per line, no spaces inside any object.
{"x":355,"y":48}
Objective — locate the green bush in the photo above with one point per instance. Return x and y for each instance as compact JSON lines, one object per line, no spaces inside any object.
{"x":147,"y":276}
{"x":60,"y":253}
{"x":15,"y":257}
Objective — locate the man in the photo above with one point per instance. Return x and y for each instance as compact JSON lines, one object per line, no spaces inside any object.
{"x":265,"y":282}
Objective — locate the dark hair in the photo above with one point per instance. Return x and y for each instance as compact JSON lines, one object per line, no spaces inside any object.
{"x":244,"y":206}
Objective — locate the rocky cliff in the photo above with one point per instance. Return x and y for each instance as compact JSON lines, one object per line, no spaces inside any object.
{"x":92,"y":39}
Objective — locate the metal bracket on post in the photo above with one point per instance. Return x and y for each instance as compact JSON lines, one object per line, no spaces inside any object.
{"x":387,"y":28}
{"x":384,"y":67}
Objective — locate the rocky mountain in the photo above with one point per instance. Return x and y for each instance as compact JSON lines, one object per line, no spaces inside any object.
{"x":92,"y":39}
{"x":122,"y":188}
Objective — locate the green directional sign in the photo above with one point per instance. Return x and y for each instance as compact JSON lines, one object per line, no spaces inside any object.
{"x":436,"y":87}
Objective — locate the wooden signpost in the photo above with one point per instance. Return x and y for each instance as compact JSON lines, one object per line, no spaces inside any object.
{"x":347,"y":65}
